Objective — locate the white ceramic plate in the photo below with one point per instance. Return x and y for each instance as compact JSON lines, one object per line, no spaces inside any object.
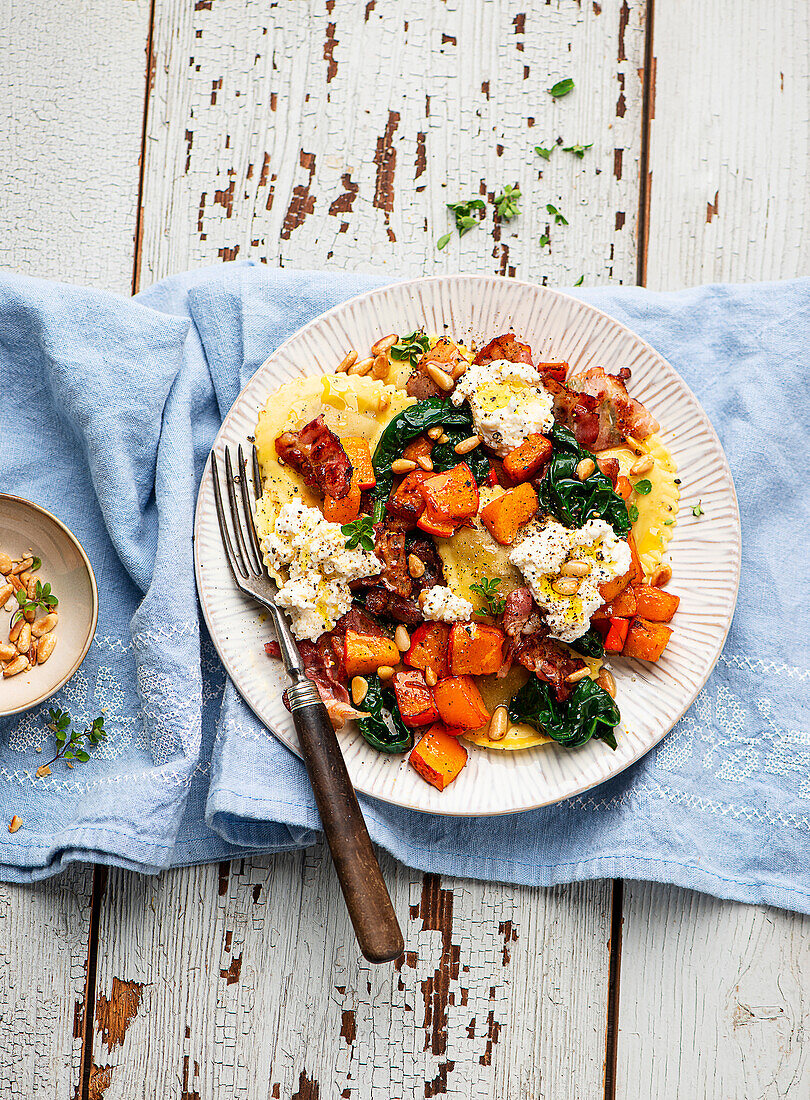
{"x":705,"y":551}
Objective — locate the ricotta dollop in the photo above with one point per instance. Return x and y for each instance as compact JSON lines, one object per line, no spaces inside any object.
{"x":508,"y":401}
{"x":442,"y":605}
{"x":541,"y":552}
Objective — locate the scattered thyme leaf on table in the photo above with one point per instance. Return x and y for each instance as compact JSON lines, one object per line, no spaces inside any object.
{"x":465,"y":219}
{"x":544,"y":153}
{"x":579,"y":281}
{"x":577,"y":150}
{"x":698,"y":509}
{"x":559,"y":219}
{"x":507,"y":202}
{"x":561,"y":88}
{"x":545,"y":240}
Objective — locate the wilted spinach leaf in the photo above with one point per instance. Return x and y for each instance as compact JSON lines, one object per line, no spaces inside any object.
{"x":383,"y":729}
{"x":590,"y":644}
{"x":574,"y":502}
{"x":588,"y":712}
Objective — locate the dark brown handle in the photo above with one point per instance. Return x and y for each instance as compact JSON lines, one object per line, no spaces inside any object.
{"x":367,"y":899}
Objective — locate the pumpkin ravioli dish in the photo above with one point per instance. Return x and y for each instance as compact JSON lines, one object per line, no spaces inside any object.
{"x":462,"y":539}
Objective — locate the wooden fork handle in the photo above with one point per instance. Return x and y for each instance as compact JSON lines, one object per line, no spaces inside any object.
{"x":364,"y":890}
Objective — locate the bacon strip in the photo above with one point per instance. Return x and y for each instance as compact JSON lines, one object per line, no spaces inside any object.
{"x":316,"y":453}
{"x":547,"y":660}
{"x":506,"y":346}
{"x":626,"y":415}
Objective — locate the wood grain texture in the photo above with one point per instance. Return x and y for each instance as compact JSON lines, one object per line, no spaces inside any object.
{"x":249,"y":984}
{"x":71,"y":139}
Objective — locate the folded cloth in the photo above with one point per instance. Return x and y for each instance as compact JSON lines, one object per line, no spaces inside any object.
{"x":109,"y":409}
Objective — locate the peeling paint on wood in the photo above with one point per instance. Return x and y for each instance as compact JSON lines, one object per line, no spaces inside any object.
{"x":114,"y":1015}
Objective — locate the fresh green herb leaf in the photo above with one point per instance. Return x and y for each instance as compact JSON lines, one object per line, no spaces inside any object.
{"x":632,"y":512}
{"x":411,"y":347}
{"x":465,"y":221}
{"x":572,"y":501}
{"x":698,"y":509}
{"x":579,"y":281}
{"x":561,"y":88}
{"x":69,"y":742}
{"x":669,"y":522}
{"x":555,"y":213}
{"x":487,"y":589}
{"x":443,"y":241}
{"x":577,"y":150}
{"x":589,"y":712}
{"x":360,"y":532}
{"x":544,"y":240}
{"x":643,"y":487}
{"x":544,"y":153}
{"x":43,"y":599}
{"x":36,"y":564}
{"x":506,"y":202}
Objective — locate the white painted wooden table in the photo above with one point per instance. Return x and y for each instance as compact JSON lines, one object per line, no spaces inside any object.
{"x":139,"y":140}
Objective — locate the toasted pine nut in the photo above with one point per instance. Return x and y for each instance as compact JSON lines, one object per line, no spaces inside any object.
{"x":385,"y":672}
{"x":32,"y":653}
{"x":585,"y":468}
{"x":580,"y":674}
{"x":14,"y":633}
{"x":19,"y":664}
{"x":434,"y":433}
{"x":5,"y":592}
{"x":420,"y":599}
{"x":5,"y":563}
{"x":467,"y":445}
{"x":24,"y":638}
{"x":431,"y":678}
{"x":21,"y":566}
{"x":383,"y":344}
{"x":44,"y":625}
{"x":43,"y":771}
{"x":402,"y":639}
{"x":7,"y":652}
{"x":402,"y":466}
{"x":383,"y":402}
{"x":661,"y":576}
{"x":30,"y":587}
{"x":439,"y":376}
{"x":363,"y":366}
{"x":348,"y":361}
{"x":416,"y":567}
{"x":14,"y":824}
{"x":642,"y":465}
{"x":443,"y":438}
{"x":25,"y":578}
{"x":381,"y":367}
{"x":576,"y":569}
{"x":566,"y":586}
{"x":359,"y":689}
{"x":634,"y":445}
{"x":425,"y":462}
{"x":606,"y":680}
{"x":498,"y":724}
{"x":45,"y":647}
{"x":459,"y":368}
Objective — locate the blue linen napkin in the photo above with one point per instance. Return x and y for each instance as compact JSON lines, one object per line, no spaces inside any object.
{"x":109,"y":407}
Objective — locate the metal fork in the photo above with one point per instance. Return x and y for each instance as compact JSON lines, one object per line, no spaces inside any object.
{"x":367,"y":899}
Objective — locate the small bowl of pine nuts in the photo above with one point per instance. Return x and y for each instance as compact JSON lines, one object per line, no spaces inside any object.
{"x":48,"y":604}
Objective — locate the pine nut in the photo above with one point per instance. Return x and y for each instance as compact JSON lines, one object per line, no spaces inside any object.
{"x":402,"y":639}
{"x":661,"y":576}
{"x":606,"y":680}
{"x":19,"y":664}
{"x":14,"y":824}
{"x":21,"y":566}
{"x":443,"y":438}
{"x":383,"y":344}
{"x":363,"y":366}
{"x":425,"y":462}
{"x":580,"y":674}
{"x":44,"y":625}
{"x":348,"y":361}
{"x":434,"y":433}
{"x":5,"y":563}
{"x":5,"y":592}
{"x":634,"y":445}
{"x":385,"y":672}
{"x":416,"y":567}
{"x":585,"y":468}
{"x":45,"y":647}
{"x":24,"y":638}
{"x":459,"y":368}
{"x":440,"y":377}
{"x":14,"y":633}
{"x":383,"y":402}
{"x":381,"y":367}
{"x":498,"y":724}
{"x":576,"y":568}
{"x":359,"y":689}
{"x":7,"y":652}
{"x":402,"y":466}
{"x":25,"y":578}
{"x":30,"y":588}
{"x":566,"y":586}
{"x":467,"y":445}
{"x":431,"y":678}
{"x":32,"y":653}
{"x":642,"y":465}
{"x":43,"y":771}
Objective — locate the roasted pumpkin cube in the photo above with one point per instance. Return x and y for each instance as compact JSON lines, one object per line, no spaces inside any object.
{"x":504,"y":516}
{"x":522,"y":463}
{"x":365,"y":653}
{"x":359,"y":452}
{"x":438,"y":757}
{"x":646,"y":640}
{"x":452,"y":495}
{"x":428,"y":648}
{"x":406,"y":500}
{"x":475,"y":649}
{"x":414,"y":699}
{"x":655,"y":604}
{"x":616,"y":635}
{"x":459,"y":703}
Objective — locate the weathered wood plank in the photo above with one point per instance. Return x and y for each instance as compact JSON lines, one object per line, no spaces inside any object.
{"x":74,"y":85}
{"x":713,"y":996}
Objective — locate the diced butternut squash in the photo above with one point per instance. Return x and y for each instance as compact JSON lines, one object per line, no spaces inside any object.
{"x":429,"y":648}
{"x":475,"y":649}
{"x":414,"y":699}
{"x":406,"y":501}
{"x":646,"y":640}
{"x":344,"y":509}
{"x":359,"y":453}
{"x":616,"y":635}
{"x":418,"y":448}
{"x":504,"y":516}
{"x":624,"y":487}
{"x":522,"y":463}
{"x":609,"y":590}
{"x":452,"y":495}
{"x":655,"y":604}
{"x":557,"y":371}
{"x":624,"y":606}
{"x":434,"y":524}
{"x":365,"y":653}
{"x":443,"y":351}
{"x":459,"y":703}
{"x":438,"y":757}
{"x":636,"y":568}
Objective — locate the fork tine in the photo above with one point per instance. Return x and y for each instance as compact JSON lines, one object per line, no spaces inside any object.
{"x":253,"y":540}
{"x":223,"y":525}
{"x":257,"y":474}
{"x":241,"y":549}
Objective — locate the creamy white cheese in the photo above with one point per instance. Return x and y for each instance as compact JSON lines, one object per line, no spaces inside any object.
{"x":543,"y":550}
{"x":442,"y":605}
{"x":307,"y":554}
{"x":508,"y":402}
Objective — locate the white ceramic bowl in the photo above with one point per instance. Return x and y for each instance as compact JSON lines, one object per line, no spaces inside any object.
{"x":705,"y":551}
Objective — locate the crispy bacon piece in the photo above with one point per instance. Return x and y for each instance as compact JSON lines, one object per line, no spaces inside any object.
{"x":547,"y":659}
{"x":444,"y":354}
{"x":389,"y":546}
{"x":316,"y":453}
{"x":381,"y":601}
{"x":425,"y":550}
{"x":618,"y":411}
{"x":610,"y":468}
{"x":518,"y":608}
{"x":506,"y":346}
